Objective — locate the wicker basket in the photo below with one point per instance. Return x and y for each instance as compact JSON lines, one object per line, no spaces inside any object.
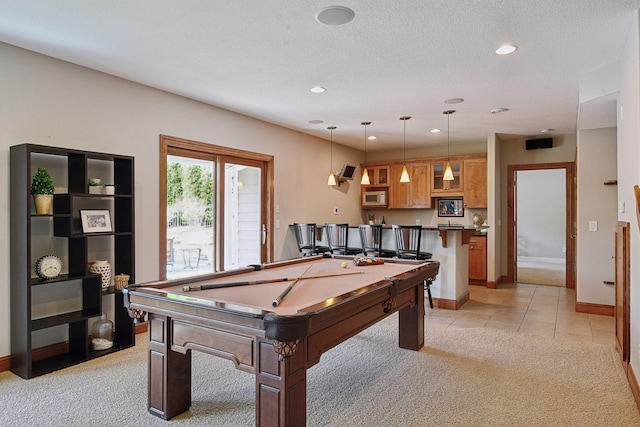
{"x":121,"y":280}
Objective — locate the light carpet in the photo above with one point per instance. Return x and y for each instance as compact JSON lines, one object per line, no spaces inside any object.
{"x":462,"y":377}
{"x":541,"y":273}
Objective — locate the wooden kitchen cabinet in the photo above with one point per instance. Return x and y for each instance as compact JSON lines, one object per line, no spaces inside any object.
{"x":378,"y":175}
{"x":442,"y":188}
{"x":478,"y":260}
{"x":475,"y":183}
{"x":410,"y":195}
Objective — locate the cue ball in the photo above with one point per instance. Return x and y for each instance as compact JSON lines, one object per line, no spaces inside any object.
{"x":344,"y":264}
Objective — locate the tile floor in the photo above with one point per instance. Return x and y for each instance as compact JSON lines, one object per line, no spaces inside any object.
{"x":546,"y":311}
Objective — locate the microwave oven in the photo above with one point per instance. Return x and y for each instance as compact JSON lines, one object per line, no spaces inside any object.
{"x":374,"y":198}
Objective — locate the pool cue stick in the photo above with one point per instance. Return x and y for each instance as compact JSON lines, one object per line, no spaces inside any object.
{"x":284,"y":293}
{"x":232,"y":284}
{"x":259,"y":282}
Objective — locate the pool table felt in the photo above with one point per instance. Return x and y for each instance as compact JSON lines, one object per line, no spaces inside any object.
{"x":306,"y":292}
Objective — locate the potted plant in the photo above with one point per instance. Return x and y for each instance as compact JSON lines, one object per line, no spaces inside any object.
{"x":42,"y":191}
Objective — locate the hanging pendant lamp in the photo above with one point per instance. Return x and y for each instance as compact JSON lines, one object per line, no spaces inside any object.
{"x":332,"y":176}
{"x":404,"y":177}
{"x":448,"y":173}
{"x":365,"y":174}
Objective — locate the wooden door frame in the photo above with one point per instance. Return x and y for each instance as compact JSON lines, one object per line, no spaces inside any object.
{"x":623,"y":296}
{"x":570,"y":219}
{"x":169,"y":144}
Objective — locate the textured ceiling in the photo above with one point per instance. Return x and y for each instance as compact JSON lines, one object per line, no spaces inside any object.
{"x":395,"y":58}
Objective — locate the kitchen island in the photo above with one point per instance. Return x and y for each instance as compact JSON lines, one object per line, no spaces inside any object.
{"x":449,"y":245}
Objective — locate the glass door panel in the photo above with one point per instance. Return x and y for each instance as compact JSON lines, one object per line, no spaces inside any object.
{"x":243,"y":222}
{"x":190,"y":217}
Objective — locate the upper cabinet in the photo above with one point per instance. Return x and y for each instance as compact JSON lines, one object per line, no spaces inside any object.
{"x":414,"y":194}
{"x":427,"y":182}
{"x":439,"y":186}
{"x":378,"y":175}
{"x":475,"y":183}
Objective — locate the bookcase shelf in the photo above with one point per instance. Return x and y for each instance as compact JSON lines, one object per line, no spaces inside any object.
{"x":67,"y":305}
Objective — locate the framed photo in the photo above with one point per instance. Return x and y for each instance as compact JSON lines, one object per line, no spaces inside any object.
{"x":450,"y":207}
{"x":95,"y":221}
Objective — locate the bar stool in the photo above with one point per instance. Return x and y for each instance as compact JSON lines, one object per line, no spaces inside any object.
{"x":407,"y":239}
{"x":338,"y":239}
{"x":307,"y":238}
{"x":371,"y":241}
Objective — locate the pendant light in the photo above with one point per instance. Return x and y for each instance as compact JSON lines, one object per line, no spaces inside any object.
{"x":404,"y":177}
{"x":332,"y":177}
{"x":448,"y":173}
{"x":365,"y":174}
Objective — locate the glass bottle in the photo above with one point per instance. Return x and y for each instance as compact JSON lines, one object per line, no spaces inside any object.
{"x":102,"y":333}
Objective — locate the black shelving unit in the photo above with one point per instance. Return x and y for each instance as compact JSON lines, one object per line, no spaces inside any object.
{"x":34,"y":235}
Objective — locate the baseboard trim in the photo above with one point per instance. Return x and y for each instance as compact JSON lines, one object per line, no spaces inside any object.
{"x":542,"y":260}
{"x":47,"y":351}
{"x":55,"y":350}
{"x":449,"y":304}
{"x":141,"y":327}
{"x":603,"y":310}
{"x":494,"y":285}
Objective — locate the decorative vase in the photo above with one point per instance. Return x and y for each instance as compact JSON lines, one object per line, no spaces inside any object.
{"x":121,"y":280}
{"x":477,"y":220}
{"x":102,"y":333}
{"x":103,"y":268}
{"x":43,"y":203}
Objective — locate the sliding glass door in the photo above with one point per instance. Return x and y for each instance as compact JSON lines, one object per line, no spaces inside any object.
{"x":216,"y":205}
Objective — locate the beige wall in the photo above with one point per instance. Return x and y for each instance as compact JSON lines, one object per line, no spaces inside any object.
{"x":629,"y":171}
{"x":51,"y":102}
{"x":596,"y":202}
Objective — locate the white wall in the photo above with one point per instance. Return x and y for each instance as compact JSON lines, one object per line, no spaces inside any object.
{"x":596,"y":202}
{"x":629,"y":170}
{"x":541,"y":212}
{"x":51,"y":102}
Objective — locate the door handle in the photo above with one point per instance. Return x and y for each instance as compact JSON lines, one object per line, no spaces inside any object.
{"x":264,"y":234}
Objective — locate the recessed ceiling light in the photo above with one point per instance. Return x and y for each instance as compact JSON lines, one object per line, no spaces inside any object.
{"x":498,"y":110}
{"x":335,"y":15}
{"x":317,"y":89}
{"x":372,"y":137}
{"x":316,"y":122}
{"x":506,"y":49}
{"x":454,"y":100}
{"x":435,"y":131}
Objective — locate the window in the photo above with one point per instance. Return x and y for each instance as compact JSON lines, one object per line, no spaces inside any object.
{"x":217,"y":208}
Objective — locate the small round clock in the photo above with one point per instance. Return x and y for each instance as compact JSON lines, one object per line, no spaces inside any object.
{"x":48,"y":267}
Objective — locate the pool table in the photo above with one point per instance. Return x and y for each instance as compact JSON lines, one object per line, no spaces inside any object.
{"x":326,"y":306}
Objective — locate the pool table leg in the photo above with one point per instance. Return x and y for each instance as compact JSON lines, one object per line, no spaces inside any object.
{"x":411,"y":322}
{"x":169,"y":372}
{"x":281,"y":386}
